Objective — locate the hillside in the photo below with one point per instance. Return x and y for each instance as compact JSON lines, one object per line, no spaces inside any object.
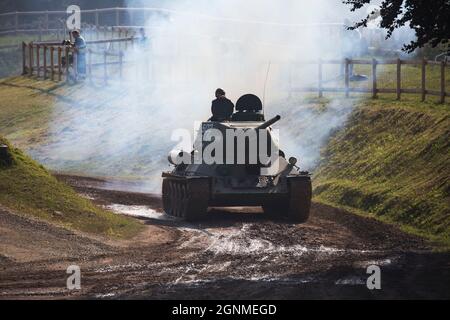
{"x":28,"y":188}
{"x":391,"y":161}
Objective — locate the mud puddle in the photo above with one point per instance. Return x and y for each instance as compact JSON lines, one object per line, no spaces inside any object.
{"x":138,"y":211}
{"x":243,"y":251}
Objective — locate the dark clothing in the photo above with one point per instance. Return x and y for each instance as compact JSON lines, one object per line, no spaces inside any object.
{"x":222,"y":109}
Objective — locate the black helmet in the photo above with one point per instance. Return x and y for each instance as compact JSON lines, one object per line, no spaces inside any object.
{"x":220,"y":92}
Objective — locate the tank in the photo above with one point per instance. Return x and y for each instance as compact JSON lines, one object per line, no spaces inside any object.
{"x":234,"y":174}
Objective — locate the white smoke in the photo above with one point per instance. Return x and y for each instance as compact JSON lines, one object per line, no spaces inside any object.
{"x":124,"y":129}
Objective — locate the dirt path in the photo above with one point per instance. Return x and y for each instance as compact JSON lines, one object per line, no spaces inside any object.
{"x":234,"y":254}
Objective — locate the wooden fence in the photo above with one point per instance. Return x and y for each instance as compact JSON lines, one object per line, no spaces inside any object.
{"x":374,"y":88}
{"x":45,"y":59}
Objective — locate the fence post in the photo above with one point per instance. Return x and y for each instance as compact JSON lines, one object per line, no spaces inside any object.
{"x":52,"y":63}
{"x":132,"y":17}
{"x":67,"y":64}
{"x":45,"y":62}
{"x":30,"y":57}
{"x":117,"y":17}
{"x":90,"y":64}
{"x":59,"y":63}
{"x":96,"y":19}
{"x":24,"y":58}
{"x":105,"y":71}
{"x":112,"y":46}
{"x":46,"y":20}
{"x":38,"y":62}
{"x":399,"y":79}
{"x":16,"y":23}
{"x":424,"y":91}
{"x":374,"y":79}
{"x":120,"y":36}
{"x":443,"y":82}
{"x":347,"y":77}
{"x":121,"y":65}
{"x":320,"y":78}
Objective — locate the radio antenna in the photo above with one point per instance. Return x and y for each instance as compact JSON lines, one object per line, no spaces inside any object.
{"x":265,"y":85}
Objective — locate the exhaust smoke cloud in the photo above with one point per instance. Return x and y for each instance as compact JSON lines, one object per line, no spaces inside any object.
{"x":124,"y":129}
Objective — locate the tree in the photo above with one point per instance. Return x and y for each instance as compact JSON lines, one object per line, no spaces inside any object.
{"x":430,"y":19}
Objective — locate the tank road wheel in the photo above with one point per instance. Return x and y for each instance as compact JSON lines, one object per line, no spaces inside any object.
{"x":186,"y":198}
{"x":300,"y":190}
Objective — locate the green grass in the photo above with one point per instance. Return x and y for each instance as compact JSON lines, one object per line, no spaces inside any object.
{"x":392,"y":161}
{"x":24,"y":113}
{"x":27,"y":187}
{"x":410,"y":77}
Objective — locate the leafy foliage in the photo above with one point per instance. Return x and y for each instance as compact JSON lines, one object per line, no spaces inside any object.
{"x":429,"y":19}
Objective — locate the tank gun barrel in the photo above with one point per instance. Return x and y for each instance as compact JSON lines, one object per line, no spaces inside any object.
{"x":268,"y":123}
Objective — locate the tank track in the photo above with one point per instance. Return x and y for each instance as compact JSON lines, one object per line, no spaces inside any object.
{"x":186,"y":198}
{"x":297,"y":207}
{"x":300,"y":190}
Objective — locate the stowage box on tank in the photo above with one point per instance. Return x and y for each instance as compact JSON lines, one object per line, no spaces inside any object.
{"x":278,"y":185}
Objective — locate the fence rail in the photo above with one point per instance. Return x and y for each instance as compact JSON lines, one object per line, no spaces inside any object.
{"x":45,"y":60}
{"x":51,"y":60}
{"x":374,"y":89}
{"x":118,"y":12}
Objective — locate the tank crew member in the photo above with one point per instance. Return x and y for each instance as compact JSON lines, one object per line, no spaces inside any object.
{"x":143,"y":40}
{"x":222,"y":108}
{"x":80,"y":50}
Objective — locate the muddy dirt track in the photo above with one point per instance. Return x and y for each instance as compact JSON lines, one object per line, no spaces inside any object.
{"x":235,"y":254}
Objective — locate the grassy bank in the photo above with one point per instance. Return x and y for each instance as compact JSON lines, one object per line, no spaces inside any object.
{"x":27,"y":187}
{"x":26,"y":108}
{"x":392,"y":161}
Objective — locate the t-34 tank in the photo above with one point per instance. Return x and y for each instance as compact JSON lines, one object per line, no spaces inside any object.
{"x":226,"y":169}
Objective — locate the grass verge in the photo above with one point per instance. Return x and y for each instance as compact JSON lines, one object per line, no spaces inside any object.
{"x":27,"y":187}
{"x":392,"y":162}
